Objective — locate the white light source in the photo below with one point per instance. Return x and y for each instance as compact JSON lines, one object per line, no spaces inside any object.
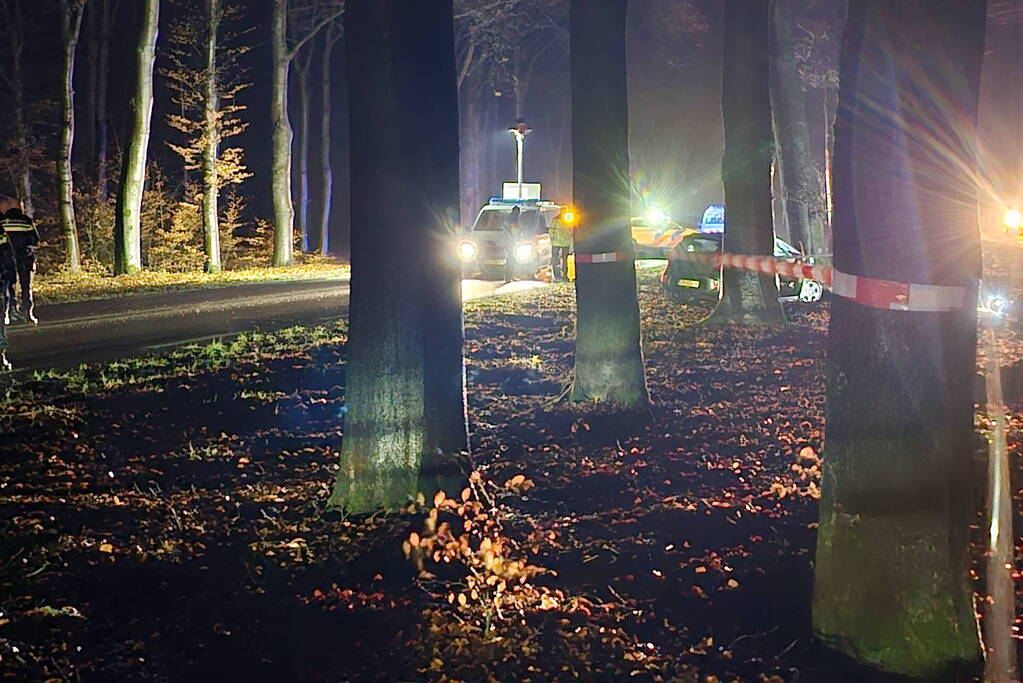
{"x":657,"y":216}
{"x":1013,"y":219}
{"x":523,"y":253}
{"x":466,"y":251}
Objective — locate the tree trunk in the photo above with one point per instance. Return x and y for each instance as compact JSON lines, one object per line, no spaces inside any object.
{"x":800,"y":193}
{"x":71,"y":26}
{"x":472,"y":150}
{"x":102,"y":83}
{"x":303,"y":149}
{"x":394,"y":52}
{"x":747,"y":297}
{"x":892,"y":586}
{"x":86,"y":133}
{"x":326,"y":119}
{"x":608,"y":355}
{"x":284,"y":211}
{"x":211,"y":136}
{"x":829,"y":151}
{"x":127,"y":226}
{"x":22,"y":133}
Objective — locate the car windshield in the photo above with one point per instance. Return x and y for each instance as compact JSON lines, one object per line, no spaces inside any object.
{"x":529,"y":222}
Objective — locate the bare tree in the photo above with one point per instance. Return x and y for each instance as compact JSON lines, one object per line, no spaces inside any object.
{"x":285,"y":49}
{"x":128,"y":225}
{"x":498,"y":44}
{"x":331,"y":35}
{"x":70,"y":27}
{"x":23,"y":158}
{"x":804,"y":210}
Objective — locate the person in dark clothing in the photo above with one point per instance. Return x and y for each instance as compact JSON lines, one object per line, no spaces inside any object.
{"x":24,"y":240}
{"x":8,"y":274}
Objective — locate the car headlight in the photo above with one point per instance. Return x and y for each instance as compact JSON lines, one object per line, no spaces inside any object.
{"x":467,"y":251}
{"x":657,"y":216}
{"x":523,"y":253}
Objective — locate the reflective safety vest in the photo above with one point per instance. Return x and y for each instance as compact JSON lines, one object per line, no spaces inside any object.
{"x":17,"y":225}
{"x":560,"y":235}
{"x":3,"y":238}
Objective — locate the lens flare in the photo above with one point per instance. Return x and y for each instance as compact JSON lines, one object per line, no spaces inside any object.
{"x":523,"y":253}
{"x":656,"y":216}
{"x":1013,"y":219}
{"x":466,"y":251}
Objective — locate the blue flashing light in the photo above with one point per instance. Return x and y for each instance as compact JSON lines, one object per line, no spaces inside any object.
{"x":713,"y":219}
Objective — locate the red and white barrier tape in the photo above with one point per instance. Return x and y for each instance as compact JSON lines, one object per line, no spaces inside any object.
{"x":887,"y":294}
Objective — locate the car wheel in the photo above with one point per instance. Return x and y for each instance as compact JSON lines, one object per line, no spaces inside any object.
{"x":811,"y":291}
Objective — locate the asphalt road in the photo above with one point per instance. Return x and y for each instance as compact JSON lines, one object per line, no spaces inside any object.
{"x":103,"y":330}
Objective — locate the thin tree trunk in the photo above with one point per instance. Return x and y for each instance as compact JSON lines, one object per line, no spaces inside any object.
{"x":892,"y":587}
{"x":102,"y":84}
{"x":211,"y":136}
{"x":284,"y":211}
{"x":472,"y":150}
{"x":747,"y":297}
{"x":86,"y":133}
{"x":394,"y":51}
{"x":326,"y":119}
{"x":128,"y":227}
{"x":608,"y":355}
{"x":22,"y":133}
{"x":71,"y":26}
{"x":304,"y":144}
{"x":800,"y":192}
{"x":829,"y":149}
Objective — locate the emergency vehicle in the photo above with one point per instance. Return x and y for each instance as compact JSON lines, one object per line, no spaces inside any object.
{"x":509,"y":237}
{"x":685,"y":279}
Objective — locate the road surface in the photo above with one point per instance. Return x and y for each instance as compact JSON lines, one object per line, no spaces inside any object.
{"x":95,"y":331}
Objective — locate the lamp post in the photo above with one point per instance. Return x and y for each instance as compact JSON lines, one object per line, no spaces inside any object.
{"x":519,"y":131}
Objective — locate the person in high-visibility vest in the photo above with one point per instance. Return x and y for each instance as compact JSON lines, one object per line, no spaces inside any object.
{"x":24,"y":240}
{"x":561,"y":242}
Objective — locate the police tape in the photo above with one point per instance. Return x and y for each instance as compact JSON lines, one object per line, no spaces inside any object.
{"x":873,"y":292}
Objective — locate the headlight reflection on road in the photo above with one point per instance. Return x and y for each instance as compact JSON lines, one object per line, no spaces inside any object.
{"x":467,"y":251}
{"x":523,"y":253}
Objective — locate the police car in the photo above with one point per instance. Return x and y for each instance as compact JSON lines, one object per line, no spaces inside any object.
{"x":685,"y":280}
{"x":509,"y":237}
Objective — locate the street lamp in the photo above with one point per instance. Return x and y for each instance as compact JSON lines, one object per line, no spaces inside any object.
{"x":519,"y":131}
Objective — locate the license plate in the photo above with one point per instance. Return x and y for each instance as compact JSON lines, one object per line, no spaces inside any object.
{"x":495,"y":262}
{"x":692,"y":284}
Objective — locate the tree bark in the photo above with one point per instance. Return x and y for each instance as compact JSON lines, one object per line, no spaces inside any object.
{"x":127,"y":226}
{"x":102,"y":85}
{"x":16,"y":80}
{"x":303,"y":148}
{"x":472,"y":149}
{"x":284,"y":211}
{"x":399,"y":394}
{"x":608,"y":355}
{"x":800,"y":193}
{"x":326,"y":119}
{"x":71,"y":26}
{"x":86,"y":133}
{"x":211,"y":138}
{"x":892,"y":587}
{"x":747,"y":297}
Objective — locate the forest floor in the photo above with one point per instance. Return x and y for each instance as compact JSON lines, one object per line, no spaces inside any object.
{"x":165,"y":519}
{"x":66,"y":287}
